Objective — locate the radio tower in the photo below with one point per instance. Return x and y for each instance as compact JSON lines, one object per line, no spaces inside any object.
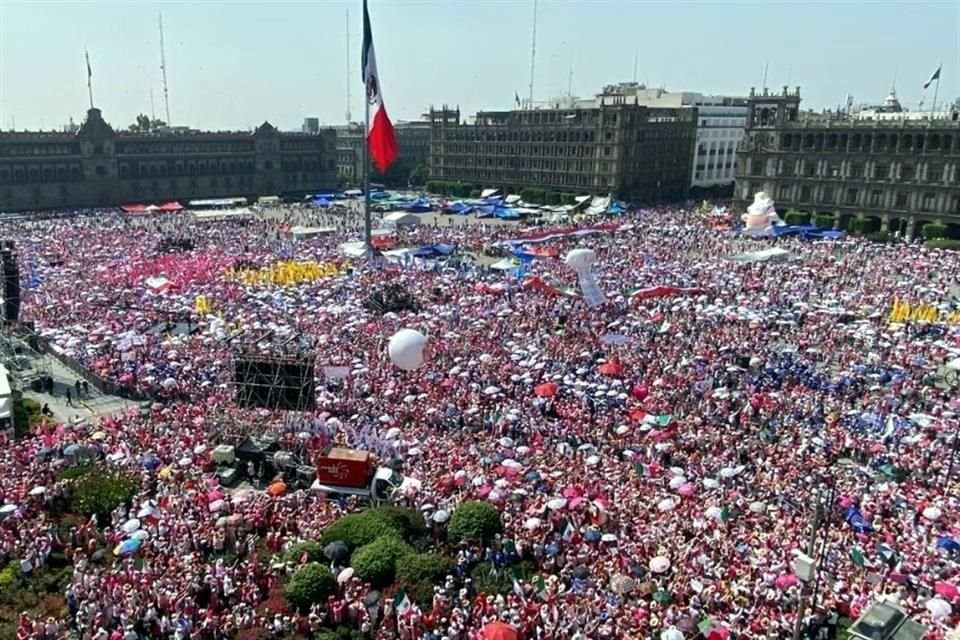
{"x":163,"y":70}
{"x":349,"y":79}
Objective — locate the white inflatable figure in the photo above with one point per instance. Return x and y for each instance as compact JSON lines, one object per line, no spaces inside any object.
{"x":407,"y":349}
{"x":582,"y":261}
{"x":761,"y":216}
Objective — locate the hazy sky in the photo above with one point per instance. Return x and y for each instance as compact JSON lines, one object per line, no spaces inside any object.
{"x":231,"y":65}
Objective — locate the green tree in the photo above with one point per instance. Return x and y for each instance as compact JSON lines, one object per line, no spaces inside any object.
{"x":101,"y":491}
{"x":310,"y":547}
{"x":796,"y":217}
{"x":475,"y":520}
{"x":359,"y":529}
{"x":824,"y":220}
{"x":418,"y":175}
{"x":310,"y":584}
{"x":376,"y":562}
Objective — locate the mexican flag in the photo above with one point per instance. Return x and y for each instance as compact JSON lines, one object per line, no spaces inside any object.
{"x":380,"y":135}
{"x":857,"y":557}
{"x":540,"y":587}
{"x":401,"y":604}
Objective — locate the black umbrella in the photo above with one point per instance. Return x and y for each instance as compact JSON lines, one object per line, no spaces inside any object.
{"x":581,"y":572}
{"x":372,"y":598}
{"x":336,"y":551}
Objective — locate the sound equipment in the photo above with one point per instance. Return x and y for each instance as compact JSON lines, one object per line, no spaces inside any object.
{"x":306,"y":475}
{"x":228,"y":477}
{"x":224,"y":454}
{"x":11,"y":283}
{"x":284,"y":384}
{"x":391,"y":298}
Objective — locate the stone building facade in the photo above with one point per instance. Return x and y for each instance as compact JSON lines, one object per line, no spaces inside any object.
{"x":413,"y":148}
{"x":902,"y":172}
{"x":100,"y":167}
{"x":613,"y":146}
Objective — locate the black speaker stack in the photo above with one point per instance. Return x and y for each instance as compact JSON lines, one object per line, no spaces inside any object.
{"x":11,"y":281}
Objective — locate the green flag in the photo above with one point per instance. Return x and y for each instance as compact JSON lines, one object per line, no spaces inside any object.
{"x":856,"y":556}
{"x":725,"y":514}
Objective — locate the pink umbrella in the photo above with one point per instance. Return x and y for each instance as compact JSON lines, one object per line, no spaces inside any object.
{"x":572,"y":492}
{"x":946,"y":590}
{"x":786,"y":581}
{"x":686,"y":489}
{"x":484,"y":491}
{"x":213,"y":496}
{"x":574,"y":503}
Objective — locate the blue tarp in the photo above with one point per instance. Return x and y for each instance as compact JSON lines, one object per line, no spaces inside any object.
{"x":460,"y":208}
{"x":857,"y":521}
{"x":617,"y":207}
{"x":321,"y":202}
{"x":419,"y":205}
{"x":505,"y":214}
{"x":333,"y":195}
{"x":808,"y":231}
{"x":379,"y":195}
{"x":485,"y":210}
{"x":434,"y":250}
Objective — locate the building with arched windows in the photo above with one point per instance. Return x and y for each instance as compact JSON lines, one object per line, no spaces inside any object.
{"x":97,"y":166}
{"x":891,"y":168}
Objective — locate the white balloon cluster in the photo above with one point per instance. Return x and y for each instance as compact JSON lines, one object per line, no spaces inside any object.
{"x":582,"y":261}
{"x":761,"y":216}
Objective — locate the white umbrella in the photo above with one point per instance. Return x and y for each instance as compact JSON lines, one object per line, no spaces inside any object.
{"x":344,"y":576}
{"x":677,"y":481}
{"x":939,"y":608}
{"x":758,"y":506}
{"x":710,"y":483}
{"x":932,"y":513}
{"x":130,"y":525}
{"x":671,"y":634}
{"x":441,"y":516}
{"x":714,"y":513}
{"x":506,"y":442}
{"x":140,"y":535}
{"x":38,"y":491}
{"x":392,"y":433}
{"x":608,"y":537}
{"x":667,"y":504}
{"x":8,"y":508}
{"x":491,"y":390}
{"x":592,"y":461}
{"x":729,"y":472}
{"x":557,"y":503}
{"x":659,"y":564}
{"x":531,"y":523}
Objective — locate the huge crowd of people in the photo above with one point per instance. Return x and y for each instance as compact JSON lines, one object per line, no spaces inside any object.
{"x":658,"y":460}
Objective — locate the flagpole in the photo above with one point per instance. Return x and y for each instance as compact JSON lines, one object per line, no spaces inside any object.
{"x":89,"y":78}
{"x":936,"y":91}
{"x":367,"y":231}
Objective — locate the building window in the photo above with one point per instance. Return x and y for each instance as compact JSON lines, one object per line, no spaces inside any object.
{"x":268,"y":165}
{"x":875,"y":198}
{"x":900,"y":201}
{"x":101,"y":170}
{"x":881,"y":171}
{"x":927,"y":202}
{"x":828,"y":195}
{"x":934,"y":172}
{"x":805,"y":193}
{"x":906,"y":172}
{"x":852,"y":195}
{"x":856,"y":171}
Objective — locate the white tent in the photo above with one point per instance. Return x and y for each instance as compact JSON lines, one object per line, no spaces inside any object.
{"x":222,"y":214}
{"x":306,"y":232}
{"x":6,"y":403}
{"x":773,"y":253}
{"x":401,"y":219}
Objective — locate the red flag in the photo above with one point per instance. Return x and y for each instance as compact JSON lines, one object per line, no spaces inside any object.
{"x":380,"y":135}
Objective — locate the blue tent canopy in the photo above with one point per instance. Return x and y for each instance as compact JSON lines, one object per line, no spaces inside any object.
{"x":321,"y":202}
{"x":505,"y":214}
{"x":379,"y":195}
{"x":485,"y":211}
{"x":807,"y":231}
{"x":460,"y":208}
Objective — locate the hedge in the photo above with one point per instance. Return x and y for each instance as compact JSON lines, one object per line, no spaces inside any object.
{"x":424,"y":567}
{"x":824,"y":220}
{"x":943,"y":243}
{"x":456,"y":189}
{"x":475,"y":521}
{"x":359,"y":529}
{"x":881,"y":236}
{"x":376,"y":562}
{"x":313,"y":550}
{"x":934,"y":231}
{"x":408,"y":522}
{"x":796,"y":217}
{"x":310,"y":584}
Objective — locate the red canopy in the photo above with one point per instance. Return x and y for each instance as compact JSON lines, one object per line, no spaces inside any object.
{"x":134,"y":207}
{"x":611,"y":369}
{"x":546,"y":390}
{"x":171,"y":205}
{"x":500,"y":631}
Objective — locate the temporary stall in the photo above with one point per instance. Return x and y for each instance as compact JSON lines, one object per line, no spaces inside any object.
{"x":307,"y":232}
{"x":214,"y":215}
{"x":401,"y":219}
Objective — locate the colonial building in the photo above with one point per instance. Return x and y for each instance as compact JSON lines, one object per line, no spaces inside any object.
{"x":883,"y":164}
{"x":413,"y":148}
{"x":97,"y":166}
{"x":613,"y":145}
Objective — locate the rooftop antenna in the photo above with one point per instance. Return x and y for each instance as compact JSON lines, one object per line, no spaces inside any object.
{"x":163,"y":69}
{"x":763,"y":85}
{"x":636,"y":59}
{"x":153,"y":111}
{"x":570,"y":81}
{"x":348,"y":66}
{"x":533,"y":54}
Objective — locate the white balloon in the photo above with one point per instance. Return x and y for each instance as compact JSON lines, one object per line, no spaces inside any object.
{"x":406,"y":349}
{"x":761,"y":215}
{"x":581,"y":259}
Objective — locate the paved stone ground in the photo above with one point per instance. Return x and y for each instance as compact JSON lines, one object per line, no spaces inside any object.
{"x":90,"y":406}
